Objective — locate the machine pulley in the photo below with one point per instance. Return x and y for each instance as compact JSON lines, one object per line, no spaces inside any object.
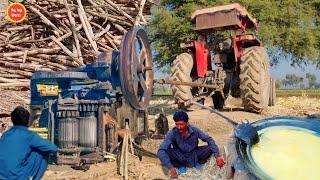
{"x":135,"y":68}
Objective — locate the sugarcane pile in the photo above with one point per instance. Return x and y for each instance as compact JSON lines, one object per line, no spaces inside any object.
{"x":58,"y":34}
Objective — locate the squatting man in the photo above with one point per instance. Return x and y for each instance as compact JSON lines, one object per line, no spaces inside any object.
{"x":180,"y":149}
{"x":23,"y":154}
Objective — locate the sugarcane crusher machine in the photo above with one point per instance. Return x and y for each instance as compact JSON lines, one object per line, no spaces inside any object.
{"x":84,"y":108}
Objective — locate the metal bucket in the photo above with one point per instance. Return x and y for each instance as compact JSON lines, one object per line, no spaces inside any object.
{"x":244,"y":152}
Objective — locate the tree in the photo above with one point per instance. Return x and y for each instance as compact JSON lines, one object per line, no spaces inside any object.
{"x":289,"y":26}
{"x":312,"y":80}
{"x":293,"y":80}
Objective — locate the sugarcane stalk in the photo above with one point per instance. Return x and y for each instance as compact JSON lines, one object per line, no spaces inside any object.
{"x":46,"y":20}
{"x":30,"y":52}
{"x":93,"y":44}
{"x":66,"y":50}
{"x":74,"y":31}
{"x":139,"y":16}
{"x":120,"y":10}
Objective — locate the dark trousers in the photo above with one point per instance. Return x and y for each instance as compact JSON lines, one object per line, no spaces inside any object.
{"x":180,"y":159}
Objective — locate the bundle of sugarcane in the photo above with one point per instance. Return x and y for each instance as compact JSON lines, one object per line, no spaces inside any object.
{"x":58,"y":34}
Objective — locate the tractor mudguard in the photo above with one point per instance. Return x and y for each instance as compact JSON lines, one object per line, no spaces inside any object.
{"x":202,"y":58}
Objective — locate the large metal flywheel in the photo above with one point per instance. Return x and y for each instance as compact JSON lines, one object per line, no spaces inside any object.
{"x":135,"y":68}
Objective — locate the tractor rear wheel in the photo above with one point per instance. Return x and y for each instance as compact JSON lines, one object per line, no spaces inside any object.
{"x":254,"y":79}
{"x":181,"y":71}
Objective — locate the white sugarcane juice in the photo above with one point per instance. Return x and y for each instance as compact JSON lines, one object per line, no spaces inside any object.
{"x":288,"y":153}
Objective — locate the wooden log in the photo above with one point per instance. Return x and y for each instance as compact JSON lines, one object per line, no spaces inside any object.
{"x":104,"y":47}
{"x":85,"y":28}
{"x":139,"y":16}
{"x":129,"y":9}
{"x":107,"y":8}
{"x":120,"y":10}
{"x":84,"y":41}
{"x":11,"y":59}
{"x":58,"y":66}
{"x":53,"y":56}
{"x":109,"y":17}
{"x":105,"y":22}
{"x":120,"y":28}
{"x":109,"y":38}
{"x":67,"y":51}
{"x":96,"y":25}
{"x":28,"y":66}
{"x":32,"y":33}
{"x":125,"y":1}
{"x":102,"y":32}
{"x":16,"y":84}
{"x":9,"y":36}
{"x":117,"y":42}
{"x":59,"y":16}
{"x":64,"y":11}
{"x":25,"y":41}
{"x":30,"y":52}
{"x":24,"y":56}
{"x":6,"y":75}
{"x":74,"y":31}
{"x":64,"y":60}
{"x":46,"y":20}
{"x":18,"y":36}
{"x":6,"y":80}
{"x":26,"y":74}
{"x":18,"y":28}
{"x":5,"y":34}
{"x":2,"y":38}
{"x":65,"y":36}
{"x":63,"y":28}
{"x":120,"y":20}
{"x":99,"y":8}
{"x":18,"y":48}
{"x":86,"y":19}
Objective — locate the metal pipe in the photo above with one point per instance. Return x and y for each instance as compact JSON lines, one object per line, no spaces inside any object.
{"x":216,"y":112}
{"x":192,"y":84}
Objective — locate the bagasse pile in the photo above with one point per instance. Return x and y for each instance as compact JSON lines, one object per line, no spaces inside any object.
{"x":58,"y":34}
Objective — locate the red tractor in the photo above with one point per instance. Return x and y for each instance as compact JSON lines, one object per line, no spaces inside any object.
{"x":240,"y":65}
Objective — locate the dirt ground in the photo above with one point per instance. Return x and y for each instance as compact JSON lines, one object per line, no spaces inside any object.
{"x":150,"y":168}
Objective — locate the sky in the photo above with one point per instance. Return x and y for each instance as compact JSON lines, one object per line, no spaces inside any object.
{"x":284,"y":67}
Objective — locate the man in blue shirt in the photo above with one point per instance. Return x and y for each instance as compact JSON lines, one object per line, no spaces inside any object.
{"x":180,"y":147}
{"x":23,"y":153}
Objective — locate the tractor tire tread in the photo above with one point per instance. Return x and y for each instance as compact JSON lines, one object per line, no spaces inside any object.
{"x":254,"y":79}
{"x":181,"y":71}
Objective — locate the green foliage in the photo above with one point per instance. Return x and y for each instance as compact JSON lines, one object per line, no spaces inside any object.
{"x":312,"y":80}
{"x":169,"y":28}
{"x":292,"y":80}
{"x":288,"y":25}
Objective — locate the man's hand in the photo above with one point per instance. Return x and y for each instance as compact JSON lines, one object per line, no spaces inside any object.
{"x":173,"y":173}
{"x":219,"y":161}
